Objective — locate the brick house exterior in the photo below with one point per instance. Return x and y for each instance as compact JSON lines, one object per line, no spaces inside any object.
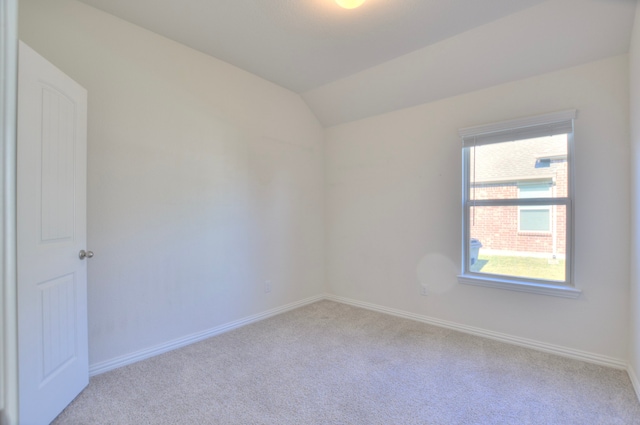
{"x":527,"y":168}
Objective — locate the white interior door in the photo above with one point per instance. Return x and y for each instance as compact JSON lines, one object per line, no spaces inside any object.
{"x":52,"y":279}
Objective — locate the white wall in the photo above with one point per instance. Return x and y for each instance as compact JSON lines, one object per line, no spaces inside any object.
{"x":634,"y":334}
{"x":204,"y":180}
{"x":394,"y":210}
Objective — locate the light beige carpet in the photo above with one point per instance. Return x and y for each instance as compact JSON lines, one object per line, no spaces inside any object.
{"x":329,"y":363}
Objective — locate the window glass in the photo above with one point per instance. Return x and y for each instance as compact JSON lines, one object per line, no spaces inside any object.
{"x":535,"y":219}
{"x":535,"y":190}
{"x":502,"y":170}
{"x":525,"y":238}
{"x":498,"y":247}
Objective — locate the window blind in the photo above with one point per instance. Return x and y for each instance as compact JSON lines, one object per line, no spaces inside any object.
{"x":519,"y":129}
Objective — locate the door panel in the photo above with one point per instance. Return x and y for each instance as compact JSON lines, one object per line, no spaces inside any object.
{"x":58,"y":139}
{"x":52,"y":279}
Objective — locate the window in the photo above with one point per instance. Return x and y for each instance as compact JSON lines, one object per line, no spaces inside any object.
{"x":534,"y":218}
{"x":517,"y":204}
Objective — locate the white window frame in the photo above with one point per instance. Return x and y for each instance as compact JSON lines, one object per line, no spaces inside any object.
{"x":8,"y":297}
{"x":514,"y":130}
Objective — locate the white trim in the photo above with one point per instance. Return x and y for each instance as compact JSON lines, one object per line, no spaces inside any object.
{"x":107,"y":365}
{"x":633,"y":376}
{"x":516,"y":179}
{"x":558,"y":122}
{"x":521,"y":286}
{"x":517,"y":123}
{"x":497,"y":336}
{"x":8,"y":290}
{"x":553,"y":157}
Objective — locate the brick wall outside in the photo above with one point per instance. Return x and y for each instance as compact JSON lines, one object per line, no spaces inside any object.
{"x":497,"y":227}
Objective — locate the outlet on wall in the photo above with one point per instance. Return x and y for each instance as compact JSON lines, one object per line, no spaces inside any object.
{"x":267,"y":286}
{"x":424,"y":290}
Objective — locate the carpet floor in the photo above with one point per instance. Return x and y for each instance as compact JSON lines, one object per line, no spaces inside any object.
{"x":329,"y":363}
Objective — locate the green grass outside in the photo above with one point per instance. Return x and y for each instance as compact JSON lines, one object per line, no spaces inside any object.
{"x":538,"y":268}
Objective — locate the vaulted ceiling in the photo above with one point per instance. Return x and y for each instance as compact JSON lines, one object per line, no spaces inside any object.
{"x":388,"y":54}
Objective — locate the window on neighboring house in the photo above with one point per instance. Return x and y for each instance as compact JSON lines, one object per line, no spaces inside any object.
{"x":517,"y":203}
{"x":534,"y":218}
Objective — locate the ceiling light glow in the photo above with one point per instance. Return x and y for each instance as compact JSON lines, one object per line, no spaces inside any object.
{"x":349,"y":4}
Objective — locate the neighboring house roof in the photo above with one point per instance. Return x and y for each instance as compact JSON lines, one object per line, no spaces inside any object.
{"x":522,"y":160}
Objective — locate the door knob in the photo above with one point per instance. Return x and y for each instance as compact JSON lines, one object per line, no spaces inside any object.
{"x":85,"y":254}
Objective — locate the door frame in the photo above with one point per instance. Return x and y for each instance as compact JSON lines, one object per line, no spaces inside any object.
{"x":8,"y":248}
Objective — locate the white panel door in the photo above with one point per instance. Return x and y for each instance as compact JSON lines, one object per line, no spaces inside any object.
{"x":52,"y":279}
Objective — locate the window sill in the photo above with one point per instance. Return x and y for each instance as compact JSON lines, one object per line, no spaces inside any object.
{"x":514,"y":285}
{"x":534,"y":233}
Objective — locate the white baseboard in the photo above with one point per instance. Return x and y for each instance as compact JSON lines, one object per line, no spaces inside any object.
{"x":509,"y":339}
{"x":107,"y":365}
{"x":634,"y":380}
